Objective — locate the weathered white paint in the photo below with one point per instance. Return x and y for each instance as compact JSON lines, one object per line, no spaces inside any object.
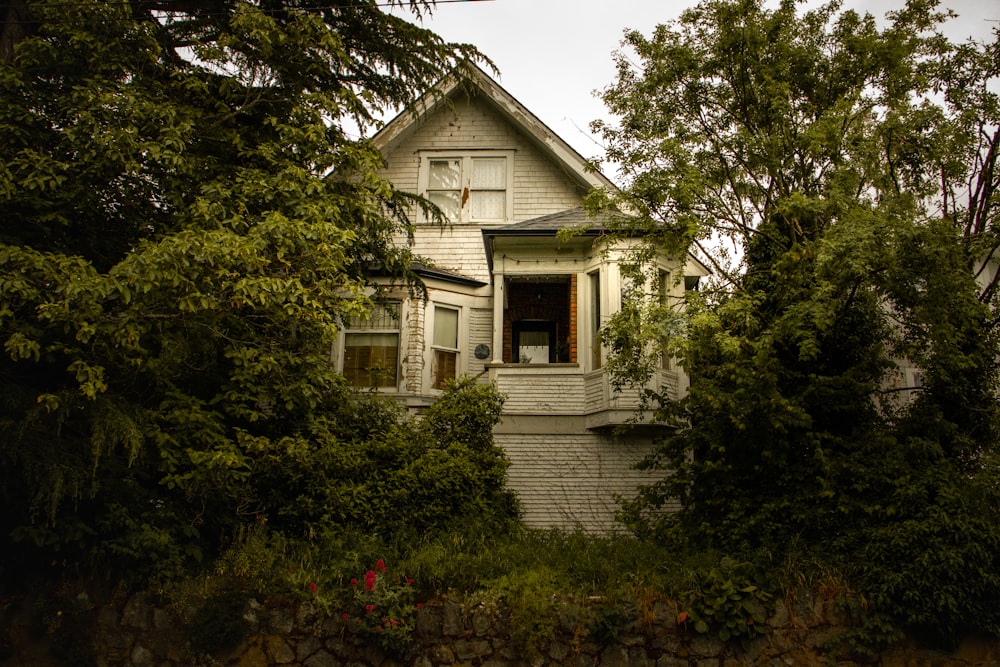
{"x":570,"y":480}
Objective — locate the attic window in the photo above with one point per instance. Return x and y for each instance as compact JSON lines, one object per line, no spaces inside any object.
{"x":469,"y":188}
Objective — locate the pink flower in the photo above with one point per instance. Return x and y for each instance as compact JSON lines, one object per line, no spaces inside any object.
{"x":312,"y":586}
{"x":409,"y":582}
{"x":369,"y":581}
{"x":380,"y":565}
{"x":394,"y":623}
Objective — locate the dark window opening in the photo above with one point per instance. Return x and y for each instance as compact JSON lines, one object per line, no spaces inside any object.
{"x":540,"y":320}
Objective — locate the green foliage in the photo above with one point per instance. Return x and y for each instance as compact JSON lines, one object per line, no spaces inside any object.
{"x":218,"y":625}
{"x":370,"y":469}
{"x":187,"y":222}
{"x":844,"y":161}
{"x":727,"y":603}
{"x":532,"y":598}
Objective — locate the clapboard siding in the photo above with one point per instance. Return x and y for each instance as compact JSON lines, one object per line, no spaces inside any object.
{"x":480,"y":332}
{"x":571,"y":480}
{"x":596,"y":392}
{"x":542,"y":394}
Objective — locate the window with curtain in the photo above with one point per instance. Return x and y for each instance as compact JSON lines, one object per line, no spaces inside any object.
{"x":468,"y":188}
{"x":444,"y":346}
{"x":371,"y":348}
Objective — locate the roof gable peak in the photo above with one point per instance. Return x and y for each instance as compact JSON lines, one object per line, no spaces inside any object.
{"x":470,"y":80}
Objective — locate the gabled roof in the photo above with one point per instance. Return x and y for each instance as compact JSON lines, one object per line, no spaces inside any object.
{"x":470,"y":80}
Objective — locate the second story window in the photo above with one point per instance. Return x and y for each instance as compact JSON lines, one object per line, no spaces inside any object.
{"x":371,"y":348}
{"x":472,"y":188}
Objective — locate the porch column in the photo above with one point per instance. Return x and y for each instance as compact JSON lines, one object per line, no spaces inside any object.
{"x":498,"y":301}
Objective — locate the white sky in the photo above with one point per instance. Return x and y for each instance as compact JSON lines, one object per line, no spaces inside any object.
{"x":553,"y":54}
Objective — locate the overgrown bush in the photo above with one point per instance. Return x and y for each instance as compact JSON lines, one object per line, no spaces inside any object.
{"x":370,"y":467}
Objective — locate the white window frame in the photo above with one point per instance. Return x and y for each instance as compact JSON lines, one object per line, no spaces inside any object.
{"x":465,"y":188}
{"x":351,"y":328}
{"x":434,"y":348}
{"x":596,"y":313}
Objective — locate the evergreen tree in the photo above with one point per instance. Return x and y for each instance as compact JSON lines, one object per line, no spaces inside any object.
{"x":187,"y":218}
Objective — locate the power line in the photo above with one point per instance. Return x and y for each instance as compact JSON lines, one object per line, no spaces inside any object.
{"x":125,"y":3}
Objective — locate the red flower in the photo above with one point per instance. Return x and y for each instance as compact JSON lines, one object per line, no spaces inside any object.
{"x":354,"y":583}
{"x":379,"y":628}
{"x":369,"y":609}
{"x":312,"y":586}
{"x":682,"y":617}
{"x":369,"y":581}
{"x":409,"y":582}
{"x":394,"y":623}
{"x":345,"y":616}
{"x":420,"y":605}
{"x":380,"y":565}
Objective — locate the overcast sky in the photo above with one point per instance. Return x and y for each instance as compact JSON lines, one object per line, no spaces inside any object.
{"x":553,"y":54}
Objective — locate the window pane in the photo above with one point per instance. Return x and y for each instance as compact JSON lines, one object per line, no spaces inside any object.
{"x":371,"y":359}
{"x":444,"y":175}
{"x":448,"y":202}
{"x":446,"y":327}
{"x":595,"y":314}
{"x":489,"y":173}
{"x":488,"y":204}
{"x":443,"y":368}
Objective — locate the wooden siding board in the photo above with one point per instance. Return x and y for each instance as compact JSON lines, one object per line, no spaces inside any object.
{"x":542,"y":394}
{"x":480,"y":333}
{"x":571,"y":480}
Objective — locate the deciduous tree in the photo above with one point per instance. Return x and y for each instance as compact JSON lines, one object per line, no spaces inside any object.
{"x":852,"y":166}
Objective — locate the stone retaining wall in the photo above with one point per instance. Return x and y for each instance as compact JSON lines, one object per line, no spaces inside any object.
{"x":138,"y":633}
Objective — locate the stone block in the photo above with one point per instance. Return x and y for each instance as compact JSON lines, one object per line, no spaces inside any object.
{"x":780,"y":618}
{"x":429,"y":621}
{"x":107,"y":617}
{"x":321,"y":659}
{"x":452,"y":623}
{"x":307,"y":617}
{"x":253,"y":657}
{"x":281,"y":621}
{"x":163,"y":621}
{"x":279,"y":650}
{"x":671,"y":661}
{"x":306,"y":646}
{"x":978,"y":650}
{"x":441,"y":655}
{"x":137,"y":613}
{"x":141,"y":656}
{"x":470,"y":649}
{"x":614,"y":656}
{"x":481,"y":622}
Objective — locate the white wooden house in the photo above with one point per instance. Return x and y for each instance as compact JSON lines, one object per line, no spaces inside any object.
{"x":508,"y":302}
